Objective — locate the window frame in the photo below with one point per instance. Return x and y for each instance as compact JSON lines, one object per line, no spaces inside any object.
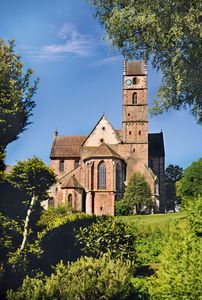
{"x":102,"y":180}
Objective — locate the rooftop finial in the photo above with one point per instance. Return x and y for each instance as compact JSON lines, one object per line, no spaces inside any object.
{"x":56,"y":132}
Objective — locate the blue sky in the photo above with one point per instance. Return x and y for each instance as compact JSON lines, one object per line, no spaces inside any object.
{"x":80,"y":78}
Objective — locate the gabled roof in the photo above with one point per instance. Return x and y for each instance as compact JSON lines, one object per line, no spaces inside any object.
{"x":104,"y":150}
{"x":156,"y":145}
{"x":100,"y":120}
{"x":66,"y":146}
{"x":71,"y":183}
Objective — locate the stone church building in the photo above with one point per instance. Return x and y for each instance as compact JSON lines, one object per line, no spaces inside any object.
{"x":93,"y":170}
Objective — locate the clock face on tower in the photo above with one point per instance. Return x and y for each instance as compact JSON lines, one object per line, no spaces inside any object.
{"x":128,"y":82}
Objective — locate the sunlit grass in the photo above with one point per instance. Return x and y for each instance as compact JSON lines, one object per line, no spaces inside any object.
{"x":153,"y":219}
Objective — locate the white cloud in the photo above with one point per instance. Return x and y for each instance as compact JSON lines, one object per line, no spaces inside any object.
{"x":74,"y":42}
{"x":70,"y":42}
{"x":108,"y":60}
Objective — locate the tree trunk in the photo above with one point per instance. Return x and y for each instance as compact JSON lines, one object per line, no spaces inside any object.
{"x":26,"y":226}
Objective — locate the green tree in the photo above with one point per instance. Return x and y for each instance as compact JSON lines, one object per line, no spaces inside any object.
{"x":16,"y":92}
{"x":34,"y":178}
{"x":172,"y":175}
{"x":138,"y":193}
{"x":168,"y":33}
{"x":190,"y":184}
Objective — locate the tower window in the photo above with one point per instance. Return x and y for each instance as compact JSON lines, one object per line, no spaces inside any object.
{"x":135,"y":80}
{"x":129,"y":114}
{"x":76,"y":164}
{"x":129,"y":132}
{"x":70,"y":200}
{"x":139,"y":132}
{"x":101,"y":140}
{"x":103,"y":128}
{"x":134,"y":98}
{"x":101,"y":176}
{"x":61,"y":166}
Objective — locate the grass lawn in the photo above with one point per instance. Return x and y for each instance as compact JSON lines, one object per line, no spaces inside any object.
{"x":159,"y":220}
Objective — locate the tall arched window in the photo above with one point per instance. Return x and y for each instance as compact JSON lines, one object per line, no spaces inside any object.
{"x":118,"y":177}
{"x":102,"y":176}
{"x":70,"y":200}
{"x":134,"y":99}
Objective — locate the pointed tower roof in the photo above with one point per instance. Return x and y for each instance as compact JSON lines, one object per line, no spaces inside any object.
{"x":71,"y":183}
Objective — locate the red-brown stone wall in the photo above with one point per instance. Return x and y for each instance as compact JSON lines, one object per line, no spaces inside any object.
{"x":141,"y":96}
{"x":104,"y":203}
{"x":69,"y":165}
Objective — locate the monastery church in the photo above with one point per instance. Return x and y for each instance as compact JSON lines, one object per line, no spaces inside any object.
{"x":93,"y":170}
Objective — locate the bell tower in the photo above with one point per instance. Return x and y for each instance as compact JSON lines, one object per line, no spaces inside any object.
{"x":135,"y":108}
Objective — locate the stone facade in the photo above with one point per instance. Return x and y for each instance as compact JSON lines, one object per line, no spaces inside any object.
{"x":93,"y":170}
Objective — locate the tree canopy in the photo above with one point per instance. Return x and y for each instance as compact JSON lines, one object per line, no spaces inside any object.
{"x":33,"y":177}
{"x":191,"y":183}
{"x":16,"y":92}
{"x":168,"y":33}
{"x":173,"y":173}
{"x":137,"y":192}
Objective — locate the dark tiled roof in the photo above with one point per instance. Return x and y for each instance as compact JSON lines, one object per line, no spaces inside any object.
{"x":66,"y":146}
{"x":156,"y":145}
{"x":135,"y":68}
{"x":71,"y":183}
{"x":104,"y":151}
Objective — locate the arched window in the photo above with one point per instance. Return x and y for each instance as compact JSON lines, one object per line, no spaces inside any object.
{"x":70,"y":200}
{"x":134,"y":99}
{"x":135,"y":80}
{"x":118,"y":177}
{"x":102,"y":176}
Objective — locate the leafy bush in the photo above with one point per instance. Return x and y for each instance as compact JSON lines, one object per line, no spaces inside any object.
{"x":87,"y":278}
{"x":148,"y":245}
{"x":54,"y":217}
{"x":179,"y":274}
{"x":107,"y":236}
{"x":121,"y":208}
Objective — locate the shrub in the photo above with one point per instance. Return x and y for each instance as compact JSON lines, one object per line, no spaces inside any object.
{"x":87,"y":278}
{"x":179,"y":274}
{"x":107,"y":236}
{"x":148,"y":245}
{"x":121,"y":208}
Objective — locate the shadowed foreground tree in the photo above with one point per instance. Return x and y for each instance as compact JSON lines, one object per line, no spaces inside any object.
{"x":138,"y":193}
{"x":16,"y":92}
{"x":34,"y":178}
{"x":168,"y":33}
